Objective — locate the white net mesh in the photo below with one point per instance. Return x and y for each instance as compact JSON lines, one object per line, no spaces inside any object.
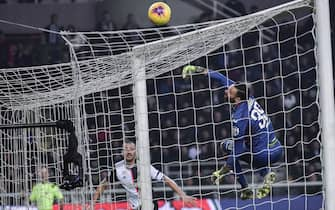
{"x":25,"y":150}
{"x":274,"y":51}
{"x":38,"y":86}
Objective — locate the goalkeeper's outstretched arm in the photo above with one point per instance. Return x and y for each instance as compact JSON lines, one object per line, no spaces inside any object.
{"x":223,"y":80}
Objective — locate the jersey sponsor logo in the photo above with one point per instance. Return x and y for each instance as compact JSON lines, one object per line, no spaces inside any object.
{"x":124,"y":175}
{"x":236,"y":131}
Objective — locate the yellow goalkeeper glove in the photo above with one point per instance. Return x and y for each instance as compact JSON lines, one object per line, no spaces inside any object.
{"x":189,"y":69}
{"x":218,"y":175}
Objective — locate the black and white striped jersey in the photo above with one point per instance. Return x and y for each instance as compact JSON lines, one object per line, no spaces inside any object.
{"x":127,"y":176}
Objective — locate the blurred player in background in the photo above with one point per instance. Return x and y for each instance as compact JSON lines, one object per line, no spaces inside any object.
{"x":45,"y":193}
{"x":253,"y":139}
{"x":126,"y":173}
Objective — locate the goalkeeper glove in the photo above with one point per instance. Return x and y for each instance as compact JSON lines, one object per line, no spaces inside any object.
{"x":227,"y":145}
{"x":189,"y":69}
{"x":218,"y":175}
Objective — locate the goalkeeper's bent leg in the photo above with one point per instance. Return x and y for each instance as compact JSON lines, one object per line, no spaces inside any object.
{"x":264,"y":191}
{"x":235,"y":164}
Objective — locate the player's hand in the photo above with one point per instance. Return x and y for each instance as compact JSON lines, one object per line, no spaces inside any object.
{"x":218,"y":175}
{"x":227,"y":145}
{"x":190,"y":69}
{"x":89,"y":207}
{"x":189,"y":201}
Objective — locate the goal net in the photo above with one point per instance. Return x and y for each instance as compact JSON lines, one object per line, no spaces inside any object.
{"x":273,"y":51}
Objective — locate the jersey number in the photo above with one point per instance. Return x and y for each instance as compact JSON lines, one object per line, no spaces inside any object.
{"x":258,"y":114}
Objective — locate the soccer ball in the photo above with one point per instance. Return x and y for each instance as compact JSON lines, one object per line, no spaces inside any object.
{"x":159,"y":13}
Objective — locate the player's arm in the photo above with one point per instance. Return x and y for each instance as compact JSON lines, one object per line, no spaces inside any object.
{"x":223,"y":80}
{"x":33,"y":195}
{"x":100,"y":189}
{"x":58,"y":196}
{"x":112,"y":177}
{"x":159,"y":176}
{"x":189,"y":200}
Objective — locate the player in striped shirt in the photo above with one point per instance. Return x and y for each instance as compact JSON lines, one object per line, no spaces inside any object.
{"x":253,"y":139}
{"x":126,"y":173}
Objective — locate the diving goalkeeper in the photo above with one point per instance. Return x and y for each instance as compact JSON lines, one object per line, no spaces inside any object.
{"x":253,"y":139}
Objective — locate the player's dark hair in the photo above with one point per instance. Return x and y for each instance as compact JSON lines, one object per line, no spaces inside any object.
{"x":242,"y":91}
{"x":128,"y":141}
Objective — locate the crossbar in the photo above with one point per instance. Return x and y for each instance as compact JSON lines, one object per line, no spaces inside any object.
{"x":63,"y":124}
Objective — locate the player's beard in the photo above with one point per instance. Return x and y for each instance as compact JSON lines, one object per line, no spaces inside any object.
{"x":130,"y":158}
{"x":232,"y":100}
{"x":228,"y":98}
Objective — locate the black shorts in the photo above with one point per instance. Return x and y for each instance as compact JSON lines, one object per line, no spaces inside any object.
{"x":155,"y":206}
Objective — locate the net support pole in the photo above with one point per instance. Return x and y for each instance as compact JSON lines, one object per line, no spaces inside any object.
{"x":325,"y":69}
{"x":142,"y":133}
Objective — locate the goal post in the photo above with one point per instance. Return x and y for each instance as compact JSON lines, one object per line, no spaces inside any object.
{"x":128,"y":84}
{"x":142,"y":133}
{"x":326,"y":97}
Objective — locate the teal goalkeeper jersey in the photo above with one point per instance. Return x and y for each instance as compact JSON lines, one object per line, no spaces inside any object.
{"x":44,"y":195}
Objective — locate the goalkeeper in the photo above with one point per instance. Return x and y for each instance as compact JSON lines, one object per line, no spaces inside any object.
{"x":253,"y":139}
{"x":126,"y":173}
{"x":45,"y":193}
